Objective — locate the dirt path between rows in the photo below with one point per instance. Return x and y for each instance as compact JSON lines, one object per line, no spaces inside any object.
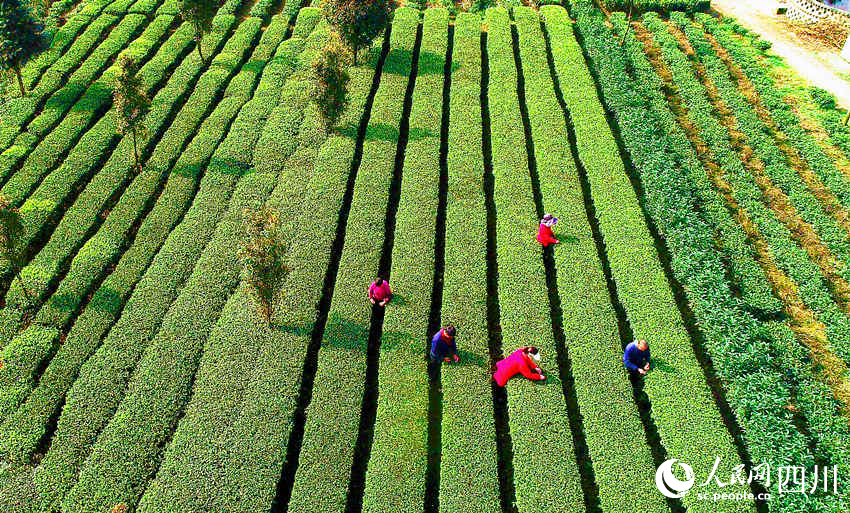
{"x":816,"y":62}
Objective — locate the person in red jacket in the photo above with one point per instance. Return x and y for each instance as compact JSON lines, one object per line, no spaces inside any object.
{"x":379,"y":292}
{"x":525,"y":361}
{"x":545,"y":235}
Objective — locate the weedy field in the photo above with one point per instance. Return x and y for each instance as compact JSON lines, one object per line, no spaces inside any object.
{"x":703,"y":193}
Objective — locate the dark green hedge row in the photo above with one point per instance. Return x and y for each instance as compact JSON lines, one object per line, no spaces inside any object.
{"x":468,"y":469}
{"x":53,"y":192}
{"x":764,"y":146}
{"x":827,"y":422}
{"x":24,"y":428}
{"x":79,"y":220}
{"x":747,"y":276}
{"x":789,"y":256}
{"x":61,"y":42}
{"x":94,"y":67}
{"x":196,"y":469}
{"x":622,"y":462}
{"x":545,"y":469}
{"x":396,"y":477}
{"x":740,"y":347}
{"x":657,"y":5}
{"x":80,"y":159}
{"x":129,"y":448}
{"x":333,"y":419}
{"x":20,"y":110}
{"x":105,"y":246}
{"x":101,"y":383}
{"x":20,"y":363}
{"x":683,"y":409}
{"x":253,"y":470}
{"x":36,"y":153}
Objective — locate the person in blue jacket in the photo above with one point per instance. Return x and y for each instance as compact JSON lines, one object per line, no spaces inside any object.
{"x":636,"y":357}
{"x":443,"y":347}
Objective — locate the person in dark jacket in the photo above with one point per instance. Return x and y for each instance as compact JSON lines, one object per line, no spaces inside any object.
{"x":636,"y":357}
{"x":443,"y":347}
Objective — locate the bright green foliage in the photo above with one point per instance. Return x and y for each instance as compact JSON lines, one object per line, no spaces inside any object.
{"x":747,"y":275}
{"x":248,"y":365}
{"x":815,"y":292}
{"x":622,"y":462}
{"x":81,"y":162}
{"x":773,"y":99}
{"x":171,"y":360}
{"x":21,"y":361}
{"x":805,"y":204}
{"x":468,"y":477}
{"x":396,"y":473}
{"x":49,"y":136}
{"x":545,"y":470}
{"x":106,"y":373}
{"x":23,"y":430}
{"x":333,"y":419}
{"x":11,"y":246}
{"x":21,"y":37}
{"x":50,"y":71}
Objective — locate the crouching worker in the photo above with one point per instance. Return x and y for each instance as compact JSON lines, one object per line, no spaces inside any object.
{"x":379,"y":292}
{"x":636,"y":357}
{"x":525,"y":361}
{"x":545,"y":235}
{"x":443,"y":347}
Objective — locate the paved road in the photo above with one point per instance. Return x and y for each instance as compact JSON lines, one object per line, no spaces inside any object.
{"x":819,"y":64}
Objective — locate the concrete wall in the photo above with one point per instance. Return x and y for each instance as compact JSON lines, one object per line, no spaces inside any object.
{"x":811,"y":11}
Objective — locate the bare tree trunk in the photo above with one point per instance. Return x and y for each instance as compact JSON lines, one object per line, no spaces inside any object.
{"x":628,"y":23}
{"x":27,"y":292}
{"x":20,"y":81}
{"x":200,"y":53}
{"x":354,"y":51}
{"x":136,"y":150}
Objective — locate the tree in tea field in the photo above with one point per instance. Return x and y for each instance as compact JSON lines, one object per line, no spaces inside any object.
{"x":11,"y":231}
{"x":331,"y":81}
{"x":21,"y":37}
{"x":199,"y":14}
{"x":130,"y":101}
{"x":358,"y":22}
{"x":262,"y":256}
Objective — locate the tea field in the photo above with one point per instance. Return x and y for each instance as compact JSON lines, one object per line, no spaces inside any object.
{"x":703,"y":193}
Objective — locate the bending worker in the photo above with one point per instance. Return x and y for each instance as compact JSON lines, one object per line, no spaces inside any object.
{"x":636,"y":357}
{"x":443,"y":347}
{"x":525,"y":361}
